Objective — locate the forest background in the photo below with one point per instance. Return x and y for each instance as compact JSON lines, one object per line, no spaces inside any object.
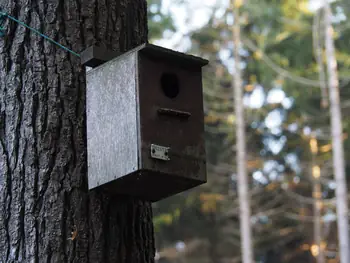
{"x":285,"y":109}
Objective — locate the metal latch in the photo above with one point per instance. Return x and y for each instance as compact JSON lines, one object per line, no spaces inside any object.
{"x":160,"y":152}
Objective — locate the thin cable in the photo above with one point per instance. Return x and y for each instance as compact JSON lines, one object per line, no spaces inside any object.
{"x":39,"y":33}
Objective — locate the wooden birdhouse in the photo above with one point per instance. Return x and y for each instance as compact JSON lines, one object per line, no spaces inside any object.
{"x":145,"y":123}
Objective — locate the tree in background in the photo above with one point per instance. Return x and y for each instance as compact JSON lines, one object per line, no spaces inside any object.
{"x":337,"y":140}
{"x":241,"y":160}
{"x":47,"y":213}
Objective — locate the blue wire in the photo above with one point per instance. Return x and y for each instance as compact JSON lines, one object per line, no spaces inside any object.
{"x":39,"y":33}
{"x":1,"y":28}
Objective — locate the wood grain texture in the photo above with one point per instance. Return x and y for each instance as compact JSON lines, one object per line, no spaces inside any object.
{"x":43,"y":182}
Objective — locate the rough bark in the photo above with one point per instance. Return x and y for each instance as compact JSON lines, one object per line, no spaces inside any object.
{"x":241,"y":159}
{"x":337,"y":141}
{"x":47,"y":213}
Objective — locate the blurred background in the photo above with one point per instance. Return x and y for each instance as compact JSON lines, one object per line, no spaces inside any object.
{"x":283,"y":65}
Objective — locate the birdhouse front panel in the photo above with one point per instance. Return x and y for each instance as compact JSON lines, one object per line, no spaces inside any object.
{"x":171,"y":117}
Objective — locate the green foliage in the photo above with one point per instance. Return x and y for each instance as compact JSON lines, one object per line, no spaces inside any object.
{"x":158,"y":20}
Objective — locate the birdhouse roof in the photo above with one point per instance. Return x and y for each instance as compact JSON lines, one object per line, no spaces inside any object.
{"x":95,"y":56}
{"x":158,"y":52}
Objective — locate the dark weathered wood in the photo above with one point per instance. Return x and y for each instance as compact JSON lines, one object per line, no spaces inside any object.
{"x":43,"y":183}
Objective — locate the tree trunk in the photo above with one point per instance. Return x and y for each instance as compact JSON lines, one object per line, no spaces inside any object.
{"x":317,"y":45}
{"x":337,"y":142}
{"x":317,"y":196}
{"x":47,"y":213}
{"x":243,"y":189}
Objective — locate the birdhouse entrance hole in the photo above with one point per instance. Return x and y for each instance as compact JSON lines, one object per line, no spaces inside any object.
{"x":170,"y":85}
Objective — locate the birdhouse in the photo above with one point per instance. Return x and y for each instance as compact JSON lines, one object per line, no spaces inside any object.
{"x":145,"y":123}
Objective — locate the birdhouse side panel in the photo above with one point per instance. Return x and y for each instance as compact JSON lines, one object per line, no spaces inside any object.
{"x":112,"y":136}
